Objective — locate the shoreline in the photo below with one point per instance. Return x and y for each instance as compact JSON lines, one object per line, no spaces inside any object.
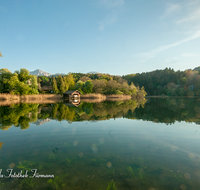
{"x":172,"y":96}
{"x":51,"y":98}
{"x":106,"y":97}
{"x":8,"y":99}
{"x":102,"y":97}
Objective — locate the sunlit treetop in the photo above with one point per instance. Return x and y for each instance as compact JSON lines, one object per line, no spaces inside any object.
{"x":4,"y":70}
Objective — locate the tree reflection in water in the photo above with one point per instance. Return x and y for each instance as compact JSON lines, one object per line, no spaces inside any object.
{"x":157,"y":110}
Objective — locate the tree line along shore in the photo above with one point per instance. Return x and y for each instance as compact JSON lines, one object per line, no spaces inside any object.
{"x":20,"y":83}
{"x":163,"y":83}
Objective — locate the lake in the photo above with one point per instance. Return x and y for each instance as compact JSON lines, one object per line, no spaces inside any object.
{"x":147,"y":144}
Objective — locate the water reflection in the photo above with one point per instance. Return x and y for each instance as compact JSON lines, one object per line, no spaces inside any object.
{"x":120,"y":151}
{"x":1,"y":144}
{"x":156,"y":110}
{"x":21,"y":115}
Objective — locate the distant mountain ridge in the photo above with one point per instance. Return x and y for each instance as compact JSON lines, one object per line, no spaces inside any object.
{"x":196,"y":69}
{"x":57,"y":74}
{"x":39,"y":72}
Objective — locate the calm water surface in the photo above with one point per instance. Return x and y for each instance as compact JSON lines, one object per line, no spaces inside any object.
{"x":148,"y":144}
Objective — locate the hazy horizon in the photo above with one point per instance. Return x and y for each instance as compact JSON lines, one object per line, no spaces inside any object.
{"x":92,"y":71}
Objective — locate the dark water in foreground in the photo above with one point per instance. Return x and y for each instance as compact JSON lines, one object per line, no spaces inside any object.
{"x":111,"y":145}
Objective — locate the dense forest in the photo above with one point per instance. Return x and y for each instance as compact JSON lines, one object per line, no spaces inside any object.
{"x":160,"y":82}
{"x":92,"y":83}
{"x":22,"y":83}
{"x":168,"y":82}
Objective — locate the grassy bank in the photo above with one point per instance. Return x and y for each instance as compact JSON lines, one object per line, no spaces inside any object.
{"x":7,"y":99}
{"x":93,"y":96}
{"x":101,"y":97}
{"x":105,"y":97}
{"x":118,"y":97}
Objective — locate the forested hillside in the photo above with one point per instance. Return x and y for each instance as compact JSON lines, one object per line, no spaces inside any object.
{"x":168,"y":82}
{"x":159,"y":82}
{"x":95,"y":83}
{"x":22,"y":83}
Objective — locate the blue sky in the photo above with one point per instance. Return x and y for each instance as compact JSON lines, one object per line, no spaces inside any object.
{"x":109,"y":36}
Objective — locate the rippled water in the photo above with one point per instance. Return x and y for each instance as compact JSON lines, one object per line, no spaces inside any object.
{"x":110,"y":145}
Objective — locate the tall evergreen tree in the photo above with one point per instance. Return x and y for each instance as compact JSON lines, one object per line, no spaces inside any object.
{"x":62,"y":87}
{"x":88,"y":86}
{"x":60,"y":84}
{"x":54,"y":86}
{"x":66,"y":84}
{"x":69,"y":81}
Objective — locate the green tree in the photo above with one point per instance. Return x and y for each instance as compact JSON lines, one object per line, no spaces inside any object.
{"x":60,"y":84}
{"x":88,"y":86}
{"x":99,"y":85}
{"x":5,"y":76}
{"x":54,"y":86}
{"x":70,"y":81}
{"x":66,"y":84}
{"x":4,"y":70}
{"x":112,"y":87}
{"x":33,"y":84}
{"x":19,"y":82}
{"x":23,"y":89}
{"x":84,"y":78}
{"x":23,"y":75}
{"x":184,"y":80}
{"x":44,"y":81}
{"x":79,"y":86}
{"x":13,"y":83}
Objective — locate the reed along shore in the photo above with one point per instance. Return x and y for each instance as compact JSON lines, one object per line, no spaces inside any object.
{"x":7,"y":99}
